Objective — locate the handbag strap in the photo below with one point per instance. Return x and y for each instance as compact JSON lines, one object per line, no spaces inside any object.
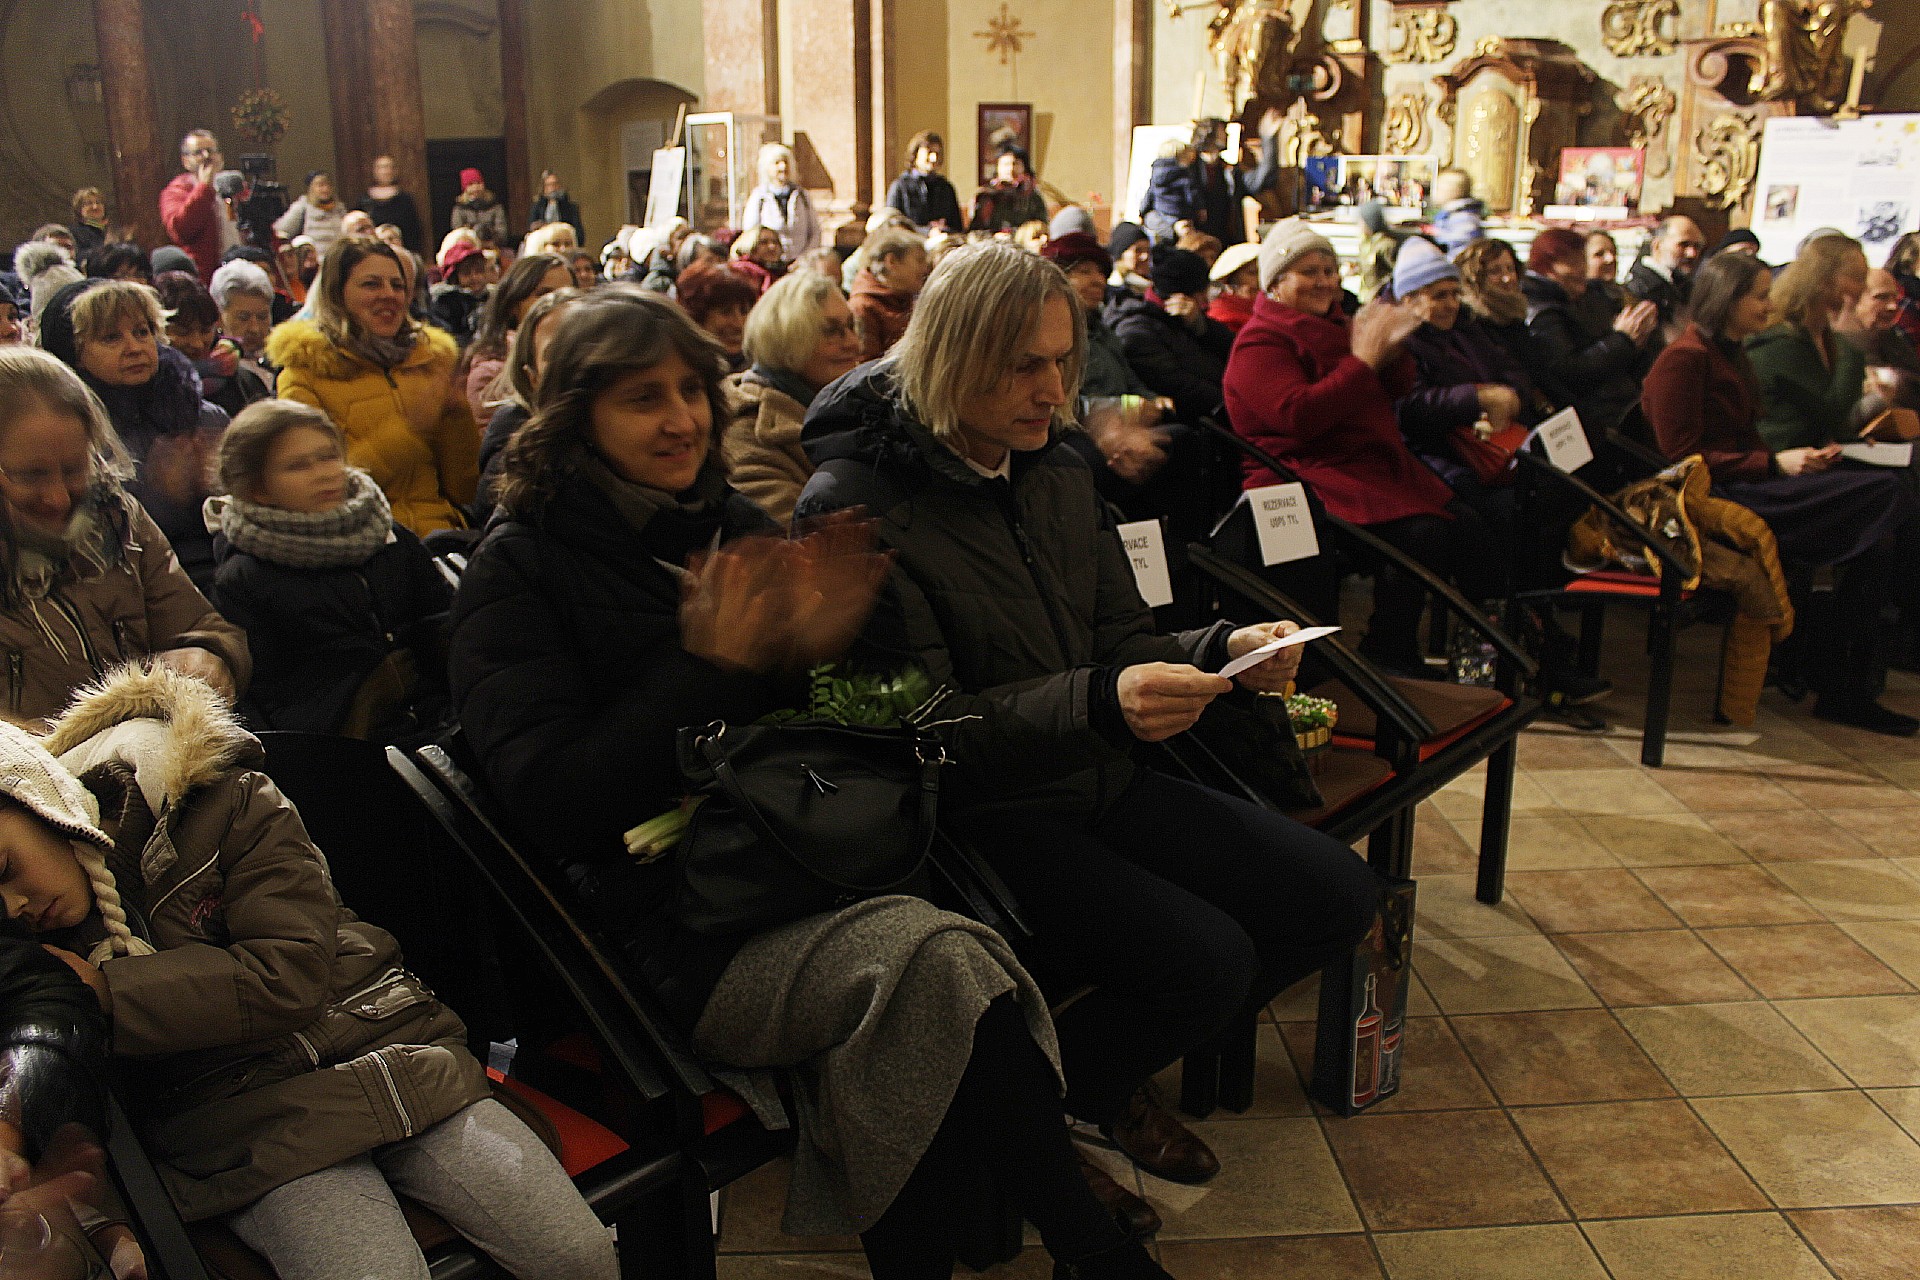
{"x":923,"y":827}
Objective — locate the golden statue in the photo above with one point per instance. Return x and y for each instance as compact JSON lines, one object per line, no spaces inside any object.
{"x":1253,"y":42}
{"x":1805,"y":62}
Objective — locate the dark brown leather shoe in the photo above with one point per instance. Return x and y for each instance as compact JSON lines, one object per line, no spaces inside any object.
{"x":1135,"y":1216}
{"x":1150,"y":1136}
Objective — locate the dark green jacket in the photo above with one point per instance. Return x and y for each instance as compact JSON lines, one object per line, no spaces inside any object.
{"x":1803,"y":403}
{"x":1016,"y":593}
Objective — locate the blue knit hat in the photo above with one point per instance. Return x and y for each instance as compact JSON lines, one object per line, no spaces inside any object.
{"x":1419,"y":264}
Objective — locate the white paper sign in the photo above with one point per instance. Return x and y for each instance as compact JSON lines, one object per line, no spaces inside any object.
{"x":1565,"y":441}
{"x":1879,"y":452}
{"x":1254,"y":657}
{"x":1285,"y":523}
{"x":663,"y":192}
{"x":1148,"y":554}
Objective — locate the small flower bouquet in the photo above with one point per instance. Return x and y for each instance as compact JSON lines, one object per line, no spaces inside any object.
{"x":1313,"y":720}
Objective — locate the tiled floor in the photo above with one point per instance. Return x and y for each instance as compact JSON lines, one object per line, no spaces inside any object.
{"x":1686,"y":1047}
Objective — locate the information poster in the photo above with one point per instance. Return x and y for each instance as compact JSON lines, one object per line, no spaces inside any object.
{"x":663,"y":195}
{"x":1862,"y":176}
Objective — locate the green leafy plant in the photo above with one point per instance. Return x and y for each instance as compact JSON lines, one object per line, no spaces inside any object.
{"x":1308,"y":712}
{"x":863,"y":699}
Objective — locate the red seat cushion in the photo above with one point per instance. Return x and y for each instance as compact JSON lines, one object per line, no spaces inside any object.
{"x":584,"y":1142}
{"x":1454,"y":711}
{"x":1616,"y":582}
{"x":717,"y":1109}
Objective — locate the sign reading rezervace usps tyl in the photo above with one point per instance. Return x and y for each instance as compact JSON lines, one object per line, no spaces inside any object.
{"x":1285,"y":523}
{"x":1565,"y":441}
{"x":1147,"y":552}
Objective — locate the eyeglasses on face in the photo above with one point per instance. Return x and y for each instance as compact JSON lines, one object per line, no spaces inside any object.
{"x":39,"y":479}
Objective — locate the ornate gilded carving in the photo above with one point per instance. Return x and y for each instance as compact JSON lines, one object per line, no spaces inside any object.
{"x":1488,"y":146}
{"x":1736,"y":30}
{"x":1425,"y":35}
{"x":1805,"y":63}
{"x":1647,"y":104}
{"x":1490,"y":47}
{"x":1405,"y":128}
{"x":1728,"y":153}
{"x":1301,"y":135}
{"x":1253,"y":44}
{"x":1636,"y":28}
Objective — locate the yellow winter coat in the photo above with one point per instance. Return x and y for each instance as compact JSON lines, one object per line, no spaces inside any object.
{"x":410,"y":429}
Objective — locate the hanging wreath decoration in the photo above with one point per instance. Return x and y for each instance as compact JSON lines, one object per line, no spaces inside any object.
{"x":261,"y":116}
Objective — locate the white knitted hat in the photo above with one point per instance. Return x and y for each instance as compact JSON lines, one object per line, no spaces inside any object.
{"x":1289,"y":240}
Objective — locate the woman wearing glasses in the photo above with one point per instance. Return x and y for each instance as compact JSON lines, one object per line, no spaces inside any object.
{"x":87,"y":580}
{"x":800,"y":336}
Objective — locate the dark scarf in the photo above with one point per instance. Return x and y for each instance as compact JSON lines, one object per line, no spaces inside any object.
{"x":786,"y":382}
{"x":167,"y":404}
{"x":671,"y":526}
{"x":381,"y":353}
{"x":343,"y":538}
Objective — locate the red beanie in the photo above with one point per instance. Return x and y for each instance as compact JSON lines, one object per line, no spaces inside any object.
{"x":468,"y":177}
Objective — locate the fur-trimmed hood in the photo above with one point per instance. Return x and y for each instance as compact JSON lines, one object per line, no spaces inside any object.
{"x":300,"y":344}
{"x":173,"y":731}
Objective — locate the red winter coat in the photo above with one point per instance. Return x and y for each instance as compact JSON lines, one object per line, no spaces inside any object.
{"x":1295,"y":388}
{"x":1698,"y":401}
{"x":191,"y":213}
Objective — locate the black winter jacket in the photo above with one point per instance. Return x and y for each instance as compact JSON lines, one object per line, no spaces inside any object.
{"x":53,"y":1046}
{"x":317,"y":634}
{"x":927,"y":198}
{"x":1171,"y":357}
{"x":1016,"y":593}
{"x":571,"y":684}
{"x":1598,"y":377}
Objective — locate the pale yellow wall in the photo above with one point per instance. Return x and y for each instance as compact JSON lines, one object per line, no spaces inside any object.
{"x":48,"y":149}
{"x":920,"y":79}
{"x":1065,"y":70}
{"x":296,"y":67}
{"x":459,"y":43}
{"x":577,"y":50}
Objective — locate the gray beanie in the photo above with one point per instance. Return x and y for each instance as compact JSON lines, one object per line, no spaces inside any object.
{"x":46,"y":270}
{"x":1289,"y":240}
{"x":1070,"y":219}
{"x":1419,"y":264}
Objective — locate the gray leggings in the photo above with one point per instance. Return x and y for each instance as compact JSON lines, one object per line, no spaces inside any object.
{"x":481,"y":1169}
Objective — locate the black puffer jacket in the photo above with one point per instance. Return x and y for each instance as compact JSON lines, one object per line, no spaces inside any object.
{"x":1599,"y":377}
{"x":53,"y":1046}
{"x":571,"y":684}
{"x":926,"y":198}
{"x":317,"y":634}
{"x":1016,"y":593}
{"x":1174,"y":359}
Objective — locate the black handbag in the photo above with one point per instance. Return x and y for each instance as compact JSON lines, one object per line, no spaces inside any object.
{"x":801,"y":817}
{"x":1249,"y":740}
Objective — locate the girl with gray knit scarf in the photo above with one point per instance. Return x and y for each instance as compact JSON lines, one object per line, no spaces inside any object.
{"x":344,"y":609}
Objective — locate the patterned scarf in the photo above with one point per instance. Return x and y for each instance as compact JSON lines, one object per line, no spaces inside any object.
{"x":343,"y":538}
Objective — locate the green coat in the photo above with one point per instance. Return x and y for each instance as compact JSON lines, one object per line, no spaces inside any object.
{"x":1803,"y":403}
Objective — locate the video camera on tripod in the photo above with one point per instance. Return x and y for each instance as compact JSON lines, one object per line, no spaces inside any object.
{"x":261,"y":198}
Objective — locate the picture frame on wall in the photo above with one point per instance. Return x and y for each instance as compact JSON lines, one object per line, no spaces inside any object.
{"x":1001,"y":123}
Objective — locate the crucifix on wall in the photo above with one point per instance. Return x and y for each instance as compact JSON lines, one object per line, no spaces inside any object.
{"x":1005,"y":36}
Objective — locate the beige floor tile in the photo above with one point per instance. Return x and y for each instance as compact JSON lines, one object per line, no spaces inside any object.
{"x":1874,"y":1039}
{"x":1709,"y":1049}
{"x":1491,"y":1253}
{"x":1902,"y":773}
{"x":1725,"y":790}
{"x":1788,"y":836}
{"x":1446,"y":908}
{"x":1277,"y":1178}
{"x":1571,"y":1055}
{"x":1895,"y":832}
{"x":1863,"y":1244}
{"x":1405,"y":1170}
{"x":1727,"y":1246}
{"x":1853,"y":889}
{"x":1462,"y":797}
{"x":1707,"y":897}
{"x":1605,"y":791}
{"x":1661,"y":839}
{"x":1499,"y":975}
{"x":1547,"y":842}
{"x":1902,"y":1104}
{"x":1439,"y":849}
{"x":1817,"y":1150}
{"x":1869,"y":791}
{"x":1607,"y":900}
{"x":1435,"y":1072}
{"x":820,"y":1266}
{"x":1321,"y":1257}
{"x":750,"y":1212}
{"x":1636,"y":1159}
{"x":1670,"y":966}
{"x":1895,"y":941}
{"x":1540,"y":750}
{"x":1277,"y":1090}
{"x":1799,"y":961}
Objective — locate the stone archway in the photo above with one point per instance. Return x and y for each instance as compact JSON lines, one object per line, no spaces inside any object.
{"x":620,"y":125}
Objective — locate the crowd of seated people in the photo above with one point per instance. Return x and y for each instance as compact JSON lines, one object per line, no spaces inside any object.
{"x":573,"y":503}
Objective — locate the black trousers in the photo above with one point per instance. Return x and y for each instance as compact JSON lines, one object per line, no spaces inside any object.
{"x":1182,"y":908}
{"x":1461,"y":550}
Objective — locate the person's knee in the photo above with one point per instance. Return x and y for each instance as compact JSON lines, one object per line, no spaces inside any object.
{"x":584,"y":1254}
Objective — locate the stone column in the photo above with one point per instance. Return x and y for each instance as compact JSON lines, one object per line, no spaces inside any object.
{"x":1132,"y":86}
{"x":513,"y":104}
{"x":886,"y":137}
{"x":143,"y":162}
{"x":829,"y":110}
{"x":353,"y":153}
{"x":389,"y":96}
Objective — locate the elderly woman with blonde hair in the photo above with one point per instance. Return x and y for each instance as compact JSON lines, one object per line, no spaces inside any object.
{"x":799,"y":338}
{"x":781,"y":204}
